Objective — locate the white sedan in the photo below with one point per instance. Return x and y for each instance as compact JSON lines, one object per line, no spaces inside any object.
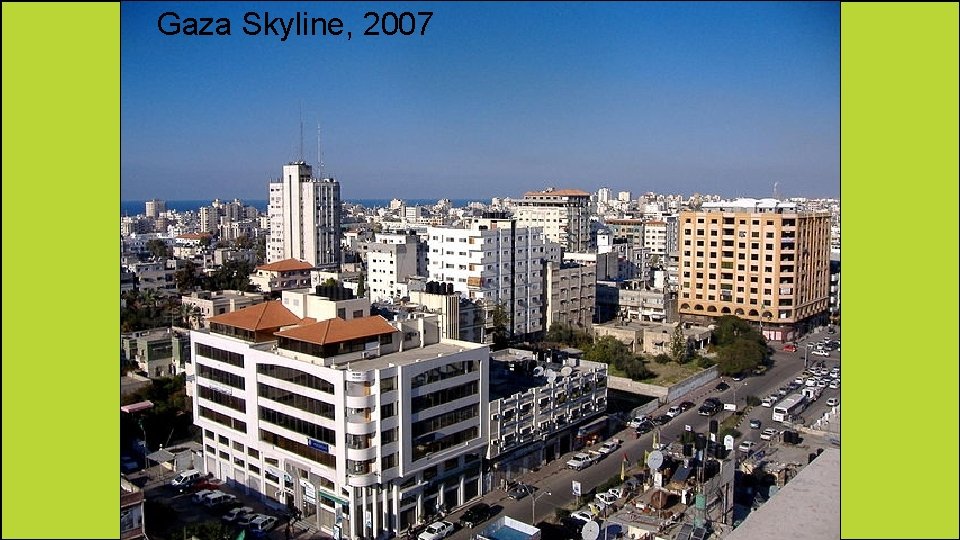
{"x":746,"y":446}
{"x":768,"y":434}
{"x":437,"y":531}
{"x":605,"y":500}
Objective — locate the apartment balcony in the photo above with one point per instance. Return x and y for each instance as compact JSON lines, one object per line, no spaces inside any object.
{"x":361,"y":454}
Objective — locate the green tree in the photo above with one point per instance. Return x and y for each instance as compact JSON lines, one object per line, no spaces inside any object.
{"x":740,"y":356}
{"x":499,"y":321}
{"x":361,"y":286}
{"x":568,"y":335}
{"x":206,"y":240}
{"x":261,"y":249}
{"x":678,"y":346}
{"x":243,"y":242}
{"x":662,"y":358}
{"x":232,"y":275}
{"x":158,"y":248}
{"x":329,"y":282}
{"x":186,"y":277}
{"x":607,"y":350}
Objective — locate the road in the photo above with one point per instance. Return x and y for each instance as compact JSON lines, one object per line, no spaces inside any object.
{"x":553,"y":481}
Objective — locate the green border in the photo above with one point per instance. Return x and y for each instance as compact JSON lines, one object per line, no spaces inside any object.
{"x":899,"y":181}
{"x":61,"y":180}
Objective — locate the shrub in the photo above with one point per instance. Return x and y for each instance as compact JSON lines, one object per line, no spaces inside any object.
{"x":753,"y":401}
{"x":662,"y":359}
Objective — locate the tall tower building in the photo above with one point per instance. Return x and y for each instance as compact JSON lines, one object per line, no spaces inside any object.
{"x":155,"y":207}
{"x":761,"y":260}
{"x":304,"y":217}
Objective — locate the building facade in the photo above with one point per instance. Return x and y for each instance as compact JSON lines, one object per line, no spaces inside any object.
{"x":282,"y":275}
{"x":762,"y":260}
{"x":571,"y":294}
{"x":496,"y":262}
{"x":365,"y":426}
{"x":305,"y":215}
{"x":562,"y":214}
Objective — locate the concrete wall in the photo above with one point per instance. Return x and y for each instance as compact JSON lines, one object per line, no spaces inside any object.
{"x":627,"y":385}
{"x":691,"y":383}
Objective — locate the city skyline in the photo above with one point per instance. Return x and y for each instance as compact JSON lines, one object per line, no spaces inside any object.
{"x":492,"y":100}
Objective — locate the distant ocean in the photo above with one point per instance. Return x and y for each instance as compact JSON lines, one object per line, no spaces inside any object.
{"x":132,"y":208}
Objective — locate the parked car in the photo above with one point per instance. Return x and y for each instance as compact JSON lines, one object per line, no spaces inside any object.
{"x":645,"y":427}
{"x":833,"y":402}
{"x":708,"y":409}
{"x":755,"y":424}
{"x":437,"y":531}
{"x":835,"y":383}
{"x":261,"y":524}
{"x":674,"y":411}
{"x":610,"y":446}
{"x":722,"y":386}
{"x":663,"y":419}
{"x":783,"y":390}
{"x":768,"y":434}
{"x":819,"y":352}
{"x":738,"y":377}
{"x":789,"y":347}
{"x":582,"y":516}
{"x":605,"y":500}
{"x":768,"y":401}
{"x":637,"y":420}
{"x":237,"y":513}
{"x":821,"y":383}
{"x":687,"y":405}
{"x":746,"y":446}
{"x":186,"y":478}
{"x":199,"y":496}
{"x":520,"y":491}
{"x":220,"y":500}
{"x":475,"y":515}
{"x":617,"y":492}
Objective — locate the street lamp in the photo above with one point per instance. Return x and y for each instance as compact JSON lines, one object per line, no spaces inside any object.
{"x":533,"y":505}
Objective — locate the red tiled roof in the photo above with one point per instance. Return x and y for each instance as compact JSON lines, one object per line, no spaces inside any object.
{"x":338,"y":330}
{"x":286,"y":265}
{"x":259,"y":317}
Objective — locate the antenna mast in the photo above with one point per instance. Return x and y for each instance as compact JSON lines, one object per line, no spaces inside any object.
{"x":320,"y":154}
{"x":301,"y":131}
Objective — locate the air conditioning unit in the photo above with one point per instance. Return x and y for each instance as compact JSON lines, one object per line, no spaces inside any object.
{"x":370,"y":354}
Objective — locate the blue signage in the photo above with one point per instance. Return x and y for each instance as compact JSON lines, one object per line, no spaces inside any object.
{"x":321,"y":446}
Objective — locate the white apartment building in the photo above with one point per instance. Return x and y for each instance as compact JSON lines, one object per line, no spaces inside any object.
{"x":282,"y":275}
{"x":366,"y":426}
{"x":571,"y":294}
{"x":155,"y":207}
{"x":496,"y":262}
{"x":304,"y":217}
{"x":604,"y":194}
{"x":391,"y":260}
{"x":531,"y":423}
{"x":563,"y":214}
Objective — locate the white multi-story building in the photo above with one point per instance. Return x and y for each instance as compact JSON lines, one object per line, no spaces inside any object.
{"x":604,"y":194}
{"x":391,"y":260}
{"x":496,"y":262}
{"x":155,"y":207}
{"x":282,"y":275}
{"x":367,"y":427}
{"x":304,"y":217}
{"x":533,"y":419}
{"x":563,"y":214}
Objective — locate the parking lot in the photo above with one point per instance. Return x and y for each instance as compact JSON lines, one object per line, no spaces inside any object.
{"x":175,"y":513}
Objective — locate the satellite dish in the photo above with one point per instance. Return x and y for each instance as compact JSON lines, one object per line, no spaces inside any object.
{"x":590,"y":531}
{"x":538,"y":371}
{"x":655,"y":460}
{"x":566,"y":371}
{"x":550,"y":374}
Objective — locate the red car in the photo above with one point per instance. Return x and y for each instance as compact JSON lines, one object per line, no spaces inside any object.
{"x":790,"y":347}
{"x":204,"y":483}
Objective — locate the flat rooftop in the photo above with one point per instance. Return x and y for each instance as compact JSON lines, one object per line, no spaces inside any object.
{"x":806,"y":508}
{"x":412,"y":356}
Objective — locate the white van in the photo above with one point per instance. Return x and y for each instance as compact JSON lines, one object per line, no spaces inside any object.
{"x":186,"y":478}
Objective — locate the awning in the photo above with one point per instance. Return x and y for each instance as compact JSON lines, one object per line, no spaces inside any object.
{"x":333,"y":498}
{"x":137,"y":407}
{"x":161,"y":456}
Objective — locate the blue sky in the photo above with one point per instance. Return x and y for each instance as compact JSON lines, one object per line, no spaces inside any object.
{"x":494,"y":100}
